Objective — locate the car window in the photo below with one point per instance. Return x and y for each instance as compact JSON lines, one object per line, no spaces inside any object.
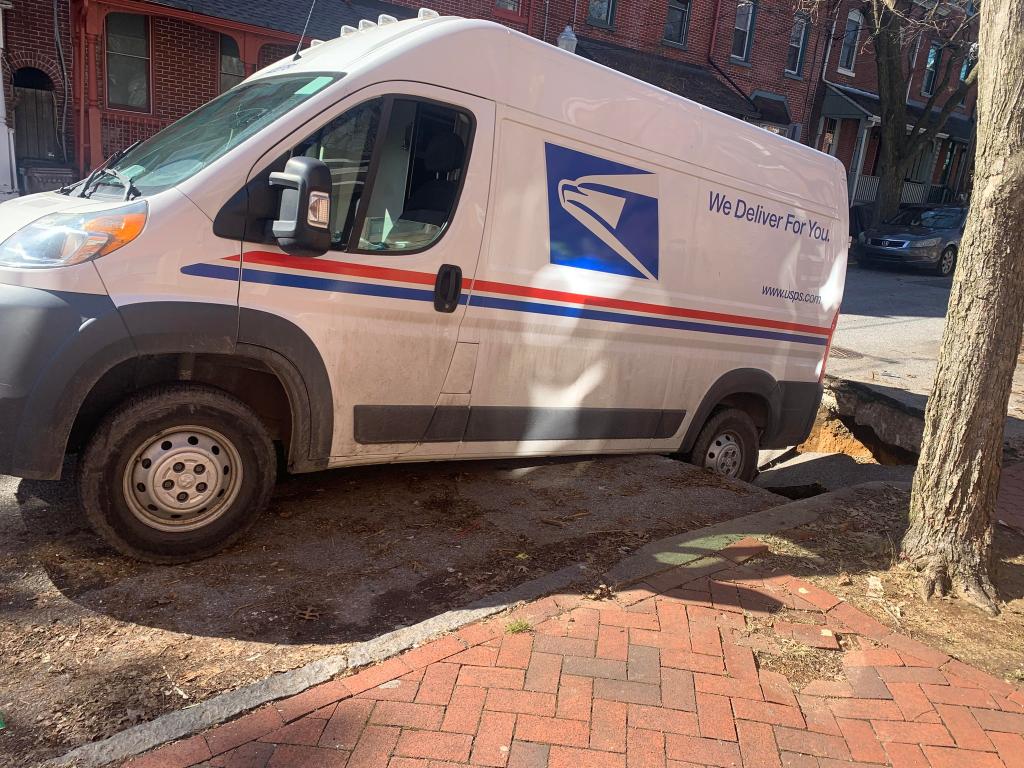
{"x":419,"y":173}
{"x":345,"y":145}
{"x":944,"y":218}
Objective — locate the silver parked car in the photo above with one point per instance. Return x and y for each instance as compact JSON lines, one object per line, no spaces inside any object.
{"x":919,"y":237}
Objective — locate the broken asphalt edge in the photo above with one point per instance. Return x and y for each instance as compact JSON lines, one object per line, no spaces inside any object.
{"x":658,"y":556}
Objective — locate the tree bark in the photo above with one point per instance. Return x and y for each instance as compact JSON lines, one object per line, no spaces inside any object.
{"x":957,"y":480}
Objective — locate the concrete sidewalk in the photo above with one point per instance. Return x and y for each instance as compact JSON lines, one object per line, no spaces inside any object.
{"x":662,"y":675}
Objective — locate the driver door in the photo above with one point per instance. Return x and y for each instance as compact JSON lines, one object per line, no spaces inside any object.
{"x":410,"y":165}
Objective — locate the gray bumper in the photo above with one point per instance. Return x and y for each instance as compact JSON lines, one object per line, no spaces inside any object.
{"x":55,"y":346}
{"x":797,"y":407}
{"x":909,"y":256}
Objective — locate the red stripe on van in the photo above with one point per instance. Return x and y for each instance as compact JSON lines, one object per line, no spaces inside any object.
{"x":271,"y":259}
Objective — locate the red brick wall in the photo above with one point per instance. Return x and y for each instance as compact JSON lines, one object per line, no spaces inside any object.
{"x":865,"y":72}
{"x":271,"y":53}
{"x":184,"y":75}
{"x":30,"y":42}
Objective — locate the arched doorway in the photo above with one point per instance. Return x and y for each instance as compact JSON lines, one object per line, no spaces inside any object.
{"x":35,"y":118}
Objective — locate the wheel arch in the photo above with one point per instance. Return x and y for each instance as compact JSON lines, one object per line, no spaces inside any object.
{"x":256,"y":356}
{"x":751,"y":390}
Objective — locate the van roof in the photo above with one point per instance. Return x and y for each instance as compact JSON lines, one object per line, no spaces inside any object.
{"x":498,"y":63}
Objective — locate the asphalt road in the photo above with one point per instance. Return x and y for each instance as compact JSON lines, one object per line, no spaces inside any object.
{"x":889,"y":334}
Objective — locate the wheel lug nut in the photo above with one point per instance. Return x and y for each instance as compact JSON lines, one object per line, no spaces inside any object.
{"x":168,"y":484}
{"x":200,"y":469}
{"x":201,"y":487}
{"x":178,"y":467}
{"x":182,"y":496}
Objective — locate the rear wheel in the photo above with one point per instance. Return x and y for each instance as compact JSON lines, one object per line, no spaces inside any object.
{"x":728,"y":445}
{"x":177,"y":474}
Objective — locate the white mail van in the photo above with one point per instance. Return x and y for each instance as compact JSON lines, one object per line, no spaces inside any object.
{"x":428,"y":239}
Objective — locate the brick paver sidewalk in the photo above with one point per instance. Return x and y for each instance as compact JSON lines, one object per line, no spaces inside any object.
{"x":662,"y":676}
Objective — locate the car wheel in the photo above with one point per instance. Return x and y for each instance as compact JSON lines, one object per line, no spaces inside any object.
{"x":177,"y":474}
{"x":727,"y":445}
{"x":946,"y":263}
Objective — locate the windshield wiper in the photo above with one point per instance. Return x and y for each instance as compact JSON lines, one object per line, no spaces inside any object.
{"x":105,"y":165}
{"x":130,"y":190}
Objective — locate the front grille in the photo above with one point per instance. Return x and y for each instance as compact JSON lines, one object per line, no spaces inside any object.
{"x":884,"y":242}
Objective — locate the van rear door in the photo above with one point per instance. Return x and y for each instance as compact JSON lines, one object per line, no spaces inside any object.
{"x":411,"y":166}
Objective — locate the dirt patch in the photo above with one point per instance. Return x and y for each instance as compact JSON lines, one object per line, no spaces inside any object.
{"x":93,"y":643}
{"x":830,"y":435}
{"x":852,"y":551}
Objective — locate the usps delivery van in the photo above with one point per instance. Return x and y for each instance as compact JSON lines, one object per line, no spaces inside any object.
{"x":428,"y":239}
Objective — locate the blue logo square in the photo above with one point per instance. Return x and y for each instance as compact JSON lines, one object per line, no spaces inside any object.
{"x":603,"y":215}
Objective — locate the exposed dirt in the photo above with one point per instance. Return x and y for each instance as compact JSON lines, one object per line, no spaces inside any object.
{"x":830,"y":435}
{"x":853,"y":552}
{"x":91,"y":643}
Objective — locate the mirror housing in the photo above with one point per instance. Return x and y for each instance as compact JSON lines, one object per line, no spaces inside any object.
{"x":303,"y":224}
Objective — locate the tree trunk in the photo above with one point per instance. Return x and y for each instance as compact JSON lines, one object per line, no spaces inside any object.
{"x":957,"y":480}
{"x":892,"y":81}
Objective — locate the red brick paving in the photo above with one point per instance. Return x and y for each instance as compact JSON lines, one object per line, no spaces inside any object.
{"x":662,"y":676}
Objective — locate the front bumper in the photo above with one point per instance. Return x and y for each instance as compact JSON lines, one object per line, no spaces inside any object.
{"x":928,"y":256}
{"x":55,"y":346}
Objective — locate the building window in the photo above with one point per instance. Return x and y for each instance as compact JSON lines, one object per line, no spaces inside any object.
{"x":232,"y":70}
{"x":677,"y":21}
{"x":797,"y":45}
{"x":931,"y":67}
{"x":601,"y":12}
{"x":851,"y":39}
{"x":128,"y":61}
{"x":743,"y":31}
{"x":509,"y":7}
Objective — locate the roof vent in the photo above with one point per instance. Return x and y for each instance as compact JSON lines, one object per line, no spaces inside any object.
{"x":427,"y":13}
{"x":366,"y":24}
{"x":314,"y":41}
{"x":348,"y":29}
{"x":385,"y":19}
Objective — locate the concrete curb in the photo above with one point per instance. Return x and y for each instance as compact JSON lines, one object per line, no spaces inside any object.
{"x":649,"y":560}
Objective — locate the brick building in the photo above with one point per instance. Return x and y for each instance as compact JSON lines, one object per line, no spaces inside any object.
{"x":848,"y":115}
{"x":83,"y":78}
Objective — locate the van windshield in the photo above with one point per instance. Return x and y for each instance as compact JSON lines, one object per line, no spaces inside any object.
{"x":186,"y":147}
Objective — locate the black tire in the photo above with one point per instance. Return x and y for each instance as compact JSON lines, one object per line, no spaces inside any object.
{"x":227,"y":436}
{"x":947,"y":262}
{"x":741,"y":443}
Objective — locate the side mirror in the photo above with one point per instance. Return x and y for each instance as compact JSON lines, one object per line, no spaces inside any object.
{"x":302,"y":227}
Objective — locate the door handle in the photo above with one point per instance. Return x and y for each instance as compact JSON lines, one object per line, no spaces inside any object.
{"x":448,"y":288}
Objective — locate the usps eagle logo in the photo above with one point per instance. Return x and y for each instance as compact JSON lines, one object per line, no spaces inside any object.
{"x":602,"y":215}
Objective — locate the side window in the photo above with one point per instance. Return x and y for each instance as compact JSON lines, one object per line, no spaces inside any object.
{"x":420,"y":167}
{"x":346,"y":146}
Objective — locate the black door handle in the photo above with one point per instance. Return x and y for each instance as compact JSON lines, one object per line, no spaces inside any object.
{"x":448,"y":288}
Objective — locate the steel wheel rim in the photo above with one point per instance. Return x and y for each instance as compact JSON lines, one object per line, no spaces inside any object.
{"x":946,"y":263}
{"x":182,"y":479}
{"x":724,"y":455}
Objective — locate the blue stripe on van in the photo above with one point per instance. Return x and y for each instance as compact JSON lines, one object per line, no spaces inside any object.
{"x":264,"y":277}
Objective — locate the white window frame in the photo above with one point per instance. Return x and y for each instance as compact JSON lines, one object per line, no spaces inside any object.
{"x":927,"y":89}
{"x":858,"y":18}
{"x":805,"y":24}
{"x":748,"y":42}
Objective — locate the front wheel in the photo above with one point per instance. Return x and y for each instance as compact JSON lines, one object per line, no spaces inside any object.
{"x":946,"y":263}
{"x":728,"y":445}
{"x":177,"y":474}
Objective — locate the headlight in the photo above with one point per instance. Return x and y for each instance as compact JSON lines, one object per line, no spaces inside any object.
{"x":925,"y":243}
{"x":63,"y":239}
